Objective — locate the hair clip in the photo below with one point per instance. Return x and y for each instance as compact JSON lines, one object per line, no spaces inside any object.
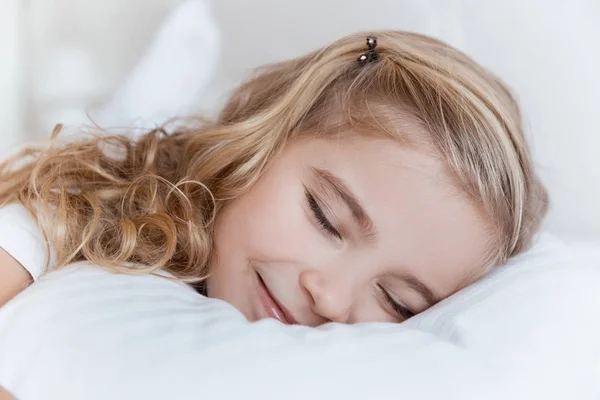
{"x":371,"y":54}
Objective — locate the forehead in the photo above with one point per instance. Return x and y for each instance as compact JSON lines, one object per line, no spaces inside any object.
{"x":426,"y":225}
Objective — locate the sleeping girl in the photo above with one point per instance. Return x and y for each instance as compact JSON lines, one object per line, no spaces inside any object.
{"x":364,"y":181}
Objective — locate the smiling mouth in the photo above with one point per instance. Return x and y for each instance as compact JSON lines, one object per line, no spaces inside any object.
{"x":271,"y":306}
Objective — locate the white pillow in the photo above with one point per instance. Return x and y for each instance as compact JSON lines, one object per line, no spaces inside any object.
{"x":171,"y":77}
{"x":528,"y":331}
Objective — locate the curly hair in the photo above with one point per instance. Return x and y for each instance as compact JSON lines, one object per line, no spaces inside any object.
{"x":136,"y":206}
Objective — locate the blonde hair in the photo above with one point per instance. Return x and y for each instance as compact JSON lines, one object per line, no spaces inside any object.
{"x":152,"y":204}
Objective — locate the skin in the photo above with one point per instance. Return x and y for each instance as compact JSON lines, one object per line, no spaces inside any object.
{"x":4,"y":395}
{"x":423,"y":230}
{"x":13,"y":277}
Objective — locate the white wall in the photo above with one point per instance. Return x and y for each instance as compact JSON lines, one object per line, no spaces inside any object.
{"x":10,"y":95}
{"x":60,"y":58}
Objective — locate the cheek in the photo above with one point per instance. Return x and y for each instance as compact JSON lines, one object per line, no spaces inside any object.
{"x":268,"y":223}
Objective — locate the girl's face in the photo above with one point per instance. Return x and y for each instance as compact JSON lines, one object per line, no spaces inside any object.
{"x":350,"y":230}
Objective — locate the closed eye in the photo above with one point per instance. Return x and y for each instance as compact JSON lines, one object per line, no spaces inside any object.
{"x":320,"y":217}
{"x":401,"y":312}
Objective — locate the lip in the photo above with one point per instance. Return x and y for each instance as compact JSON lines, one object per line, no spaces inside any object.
{"x":272,"y":307}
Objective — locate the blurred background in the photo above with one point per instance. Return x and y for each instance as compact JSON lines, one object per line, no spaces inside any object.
{"x":139,"y":62}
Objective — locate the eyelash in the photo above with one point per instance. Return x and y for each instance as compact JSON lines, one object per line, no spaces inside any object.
{"x":402,"y":311}
{"x":320,"y":217}
{"x":323,"y":222}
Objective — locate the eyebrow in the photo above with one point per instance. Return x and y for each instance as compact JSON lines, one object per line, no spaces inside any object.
{"x":367,"y":227}
{"x":415,"y":284}
{"x":340,"y":188}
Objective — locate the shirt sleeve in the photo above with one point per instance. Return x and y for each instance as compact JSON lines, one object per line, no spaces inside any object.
{"x":22,"y":238}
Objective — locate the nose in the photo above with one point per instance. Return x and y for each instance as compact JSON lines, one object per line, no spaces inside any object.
{"x":329,"y":298}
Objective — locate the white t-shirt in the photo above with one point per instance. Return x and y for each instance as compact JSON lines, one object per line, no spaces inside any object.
{"x":22,"y":238}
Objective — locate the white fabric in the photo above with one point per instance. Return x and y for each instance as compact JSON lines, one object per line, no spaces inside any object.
{"x":21,"y":237}
{"x":528,"y":331}
{"x":172,"y":74}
